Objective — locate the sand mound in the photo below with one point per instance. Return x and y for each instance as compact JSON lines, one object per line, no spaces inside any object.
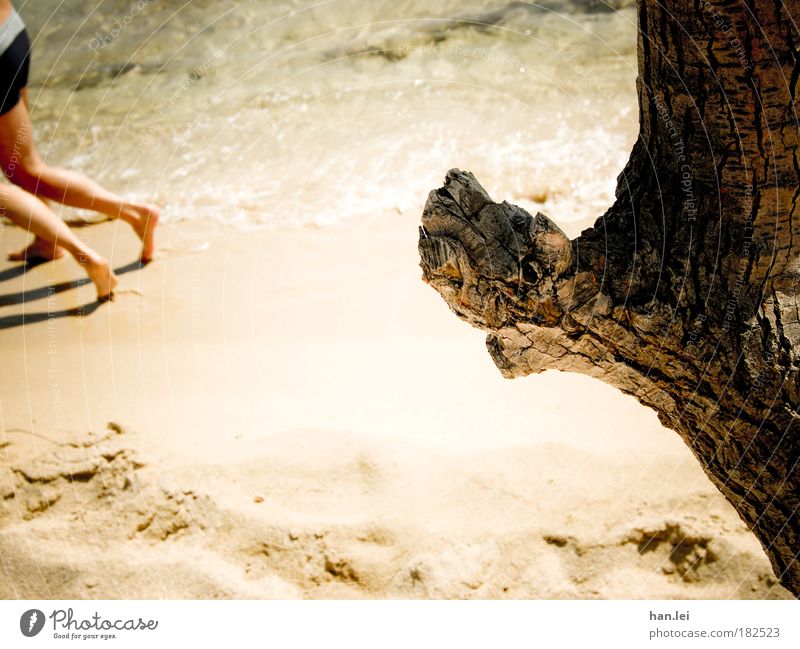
{"x":315,"y":514}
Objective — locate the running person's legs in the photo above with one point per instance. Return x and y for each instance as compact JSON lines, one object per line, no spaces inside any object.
{"x":39,"y":249}
{"x":30,"y":213}
{"x":22,"y":165}
{"x":23,"y":208}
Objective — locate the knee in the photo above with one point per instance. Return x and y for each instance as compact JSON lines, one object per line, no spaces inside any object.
{"x":25,"y":174}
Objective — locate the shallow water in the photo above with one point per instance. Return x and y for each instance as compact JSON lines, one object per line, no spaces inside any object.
{"x":296,"y":112}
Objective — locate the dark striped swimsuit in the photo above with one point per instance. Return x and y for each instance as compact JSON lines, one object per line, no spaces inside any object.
{"x":15,"y":51}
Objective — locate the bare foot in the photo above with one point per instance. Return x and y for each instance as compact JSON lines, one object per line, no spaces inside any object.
{"x":144,"y":219}
{"x":38,"y":250}
{"x":99,"y":271}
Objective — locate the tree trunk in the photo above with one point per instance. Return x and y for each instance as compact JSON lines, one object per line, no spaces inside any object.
{"x":684,"y":293}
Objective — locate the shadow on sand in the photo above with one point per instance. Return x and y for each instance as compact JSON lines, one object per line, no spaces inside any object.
{"x":23,"y":297}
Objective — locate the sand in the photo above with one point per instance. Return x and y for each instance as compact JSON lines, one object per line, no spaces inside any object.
{"x":293,"y":413}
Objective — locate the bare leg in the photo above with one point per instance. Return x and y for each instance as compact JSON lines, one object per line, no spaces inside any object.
{"x":76,"y":190}
{"x":38,"y":250}
{"x":30,"y":213}
{"x":23,"y":166}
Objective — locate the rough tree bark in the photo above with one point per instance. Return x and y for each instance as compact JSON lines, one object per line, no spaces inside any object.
{"x":684,"y":293}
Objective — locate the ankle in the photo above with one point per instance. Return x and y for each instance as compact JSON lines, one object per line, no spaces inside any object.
{"x":129,"y":214}
{"x":89,"y":259}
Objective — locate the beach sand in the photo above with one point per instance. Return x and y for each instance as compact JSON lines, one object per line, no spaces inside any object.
{"x":293,"y":413}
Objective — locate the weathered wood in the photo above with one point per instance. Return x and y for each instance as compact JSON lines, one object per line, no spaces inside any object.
{"x":684,"y":293}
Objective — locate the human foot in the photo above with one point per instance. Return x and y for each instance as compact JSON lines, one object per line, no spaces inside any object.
{"x":143,"y":220}
{"x":38,"y":250}
{"x":99,"y":271}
